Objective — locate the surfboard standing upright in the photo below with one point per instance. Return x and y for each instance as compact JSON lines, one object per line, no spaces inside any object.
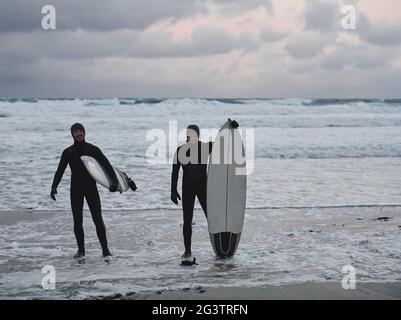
{"x":226,"y":191}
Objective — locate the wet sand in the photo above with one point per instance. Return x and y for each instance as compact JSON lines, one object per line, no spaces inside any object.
{"x":305,"y":291}
{"x":284,"y":253}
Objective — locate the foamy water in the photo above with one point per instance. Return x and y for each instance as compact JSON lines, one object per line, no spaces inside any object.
{"x":307,"y":152}
{"x":339,"y":161}
{"x":277,"y":247}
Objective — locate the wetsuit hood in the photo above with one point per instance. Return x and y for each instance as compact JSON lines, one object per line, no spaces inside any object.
{"x":195,"y":128}
{"x":77,"y":126}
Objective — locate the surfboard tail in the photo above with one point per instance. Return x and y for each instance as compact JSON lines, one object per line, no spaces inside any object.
{"x":123,"y":184}
{"x":225,"y":243}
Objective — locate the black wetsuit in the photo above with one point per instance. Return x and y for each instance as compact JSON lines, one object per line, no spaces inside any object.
{"x":84,"y":186}
{"x":193,"y":183}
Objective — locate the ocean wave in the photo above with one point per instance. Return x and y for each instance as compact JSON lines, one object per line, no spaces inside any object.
{"x":131,"y":101}
{"x":339,"y":120}
{"x":252,"y":101}
{"x":99,"y":102}
{"x":333,"y":153}
{"x":12,"y":100}
{"x":283,"y":129}
{"x":60,"y":99}
{"x":328,"y":102}
{"x":93,"y":104}
{"x":227,"y":101}
{"x":306,"y":102}
{"x":15,"y":100}
{"x":30,"y":100}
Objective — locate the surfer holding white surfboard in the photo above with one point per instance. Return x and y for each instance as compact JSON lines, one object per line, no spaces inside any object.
{"x":226,"y":190}
{"x":83,"y":186}
{"x":193,"y":158}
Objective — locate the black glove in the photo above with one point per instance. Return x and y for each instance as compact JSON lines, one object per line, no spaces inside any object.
{"x":175,"y":196}
{"x":132,"y":185}
{"x":113,"y":187}
{"x":234,"y":124}
{"x":52,"y":193}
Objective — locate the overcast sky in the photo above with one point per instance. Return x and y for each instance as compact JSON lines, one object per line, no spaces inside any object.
{"x":200,"y":48}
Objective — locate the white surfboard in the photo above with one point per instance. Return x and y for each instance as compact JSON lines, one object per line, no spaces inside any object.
{"x":100,"y":175}
{"x":226,"y":191}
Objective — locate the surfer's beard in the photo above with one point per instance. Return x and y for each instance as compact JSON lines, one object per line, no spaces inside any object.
{"x":192,"y":139}
{"x":79,"y":139}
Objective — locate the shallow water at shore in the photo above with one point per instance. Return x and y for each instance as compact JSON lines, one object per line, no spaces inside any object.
{"x":278,"y":247}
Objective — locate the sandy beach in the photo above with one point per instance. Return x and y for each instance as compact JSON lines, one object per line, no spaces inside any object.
{"x":304,"y":291}
{"x":284,"y":253}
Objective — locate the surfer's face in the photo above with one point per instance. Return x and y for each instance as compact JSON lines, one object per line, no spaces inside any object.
{"x":192,"y":136}
{"x":79,"y":135}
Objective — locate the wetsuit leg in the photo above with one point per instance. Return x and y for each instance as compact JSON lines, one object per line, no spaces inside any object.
{"x":77,"y":203}
{"x":94,"y":204}
{"x":188,"y":201}
{"x":201,"y":194}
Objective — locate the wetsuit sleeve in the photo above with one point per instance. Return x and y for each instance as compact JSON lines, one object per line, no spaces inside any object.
{"x":99,"y":156}
{"x":60,"y":170}
{"x":210,"y":146}
{"x":175,"y":172}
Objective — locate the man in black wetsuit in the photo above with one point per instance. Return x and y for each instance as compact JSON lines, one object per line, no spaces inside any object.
{"x":193,"y":157}
{"x":84,"y":186}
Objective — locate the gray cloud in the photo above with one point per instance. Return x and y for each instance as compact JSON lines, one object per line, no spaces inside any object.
{"x":13,"y":75}
{"x":83,"y":79}
{"x":379,"y":33}
{"x":106,"y":52}
{"x":128,"y":77}
{"x":205,"y":40}
{"x":306,"y":44}
{"x":102,"y":15}
{"x":269,"y":35}
{"x":323,"y":15}
{"x":357,"y":57}
{"x":349,"y":83}
{"x":238,"y":6}
{"x":308,"y":66}
{"x":66,"y":44}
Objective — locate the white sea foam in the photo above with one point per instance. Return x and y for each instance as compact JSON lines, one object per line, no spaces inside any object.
{"x":348,"y":150}
{"x":278,"y":246}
